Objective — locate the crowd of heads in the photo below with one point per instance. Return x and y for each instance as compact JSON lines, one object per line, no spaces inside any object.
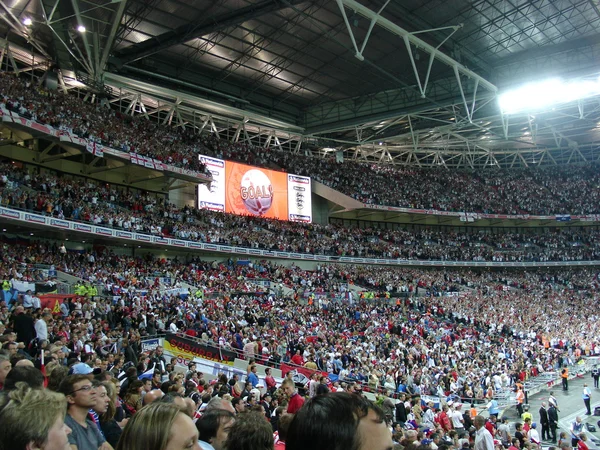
{"x":538,"y":191}
{"x":65,"y":197}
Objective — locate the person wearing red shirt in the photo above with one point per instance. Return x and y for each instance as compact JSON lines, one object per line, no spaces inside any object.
{"x":296,"y":401}
{"x":298,"y":359}
{"x":269,"y":380}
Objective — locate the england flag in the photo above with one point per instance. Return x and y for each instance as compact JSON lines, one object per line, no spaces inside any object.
{"x":95,"y":149}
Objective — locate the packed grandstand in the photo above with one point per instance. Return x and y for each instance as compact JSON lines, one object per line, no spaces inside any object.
{"x":450,"y":335}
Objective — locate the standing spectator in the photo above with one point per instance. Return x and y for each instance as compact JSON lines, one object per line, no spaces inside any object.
{"x":41,"y":326}
{"x":23,"y":325}
{"x":252,"y":376}
{"x":483,"y":438}
{"x":295,"y":400}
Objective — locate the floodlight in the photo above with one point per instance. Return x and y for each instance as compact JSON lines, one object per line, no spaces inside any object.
{"x":27,"y":21}
{"x":545,"y":94}
{"x":81,"y":29}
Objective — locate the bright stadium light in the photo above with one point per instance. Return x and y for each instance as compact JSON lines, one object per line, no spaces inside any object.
{"x":27,"y":21}
{"x":544,"y":94}
{"x":81,"y":29}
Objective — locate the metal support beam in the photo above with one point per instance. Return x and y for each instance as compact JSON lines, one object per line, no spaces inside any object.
{"x":417,"y":42}
{"x":209,"y":25}
{"x":116,"y":22}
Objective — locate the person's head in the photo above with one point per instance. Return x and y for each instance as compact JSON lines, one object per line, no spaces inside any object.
{"x":27,"y":374}
{"x":219,"y":403}
{"x":135,"y":387}
{"x":516,"y":442}
{"x":152,"y":396}
{"x":5,"y":366}
{"x":33,"y":419}
{"x":175,"y":399}
{"x":239,"y":405}
{"x":79,"y":391}
{"x":518,"y":426}
{"x":147,"y":384}
{"x":102,"y":399}
{"x":250,"y":431}
{"x":111,"y":393}
{"x":288,"y":387}
{"x":339,"y":421}
{"x":159,"y":426}
{"x":283,"y":426}
{"x":213,"y":427}
{"x":578,"y":419}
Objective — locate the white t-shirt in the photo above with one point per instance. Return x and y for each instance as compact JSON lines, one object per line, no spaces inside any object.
{"x":457,"y":419}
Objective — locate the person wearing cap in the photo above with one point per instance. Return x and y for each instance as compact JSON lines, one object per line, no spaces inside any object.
{"x":533,"y":435}
{"x":483,"y":438}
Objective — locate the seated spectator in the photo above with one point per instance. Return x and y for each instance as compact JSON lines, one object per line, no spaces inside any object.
{"x":339,"y":421}
{"x":33,"y":419}
{"x":213,"y":429}
{"x":250,"y":431}
{"x":81,"y":397}
{"x":159,"y":426}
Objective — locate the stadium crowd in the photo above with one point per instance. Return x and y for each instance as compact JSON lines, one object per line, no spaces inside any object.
{"x":480,"y":339}
{"x":101,"y":204}
{"x":538,"y":191}
{"x":461,"y":335}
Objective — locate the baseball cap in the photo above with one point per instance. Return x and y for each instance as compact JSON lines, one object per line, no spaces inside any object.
{"x":80,"y":369}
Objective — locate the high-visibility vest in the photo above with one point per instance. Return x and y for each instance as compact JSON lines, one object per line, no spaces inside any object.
{"x":6,"y":285}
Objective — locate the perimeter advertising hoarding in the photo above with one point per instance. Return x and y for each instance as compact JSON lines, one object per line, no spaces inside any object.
{"x":247,"y":190}
{"x":189,"y":349}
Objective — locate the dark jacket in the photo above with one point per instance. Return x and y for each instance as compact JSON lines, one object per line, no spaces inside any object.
{"x":543,"y":416}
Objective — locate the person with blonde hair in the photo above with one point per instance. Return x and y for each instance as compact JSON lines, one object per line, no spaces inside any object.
{"x":159,"y":426}
{"x":33,"y":419}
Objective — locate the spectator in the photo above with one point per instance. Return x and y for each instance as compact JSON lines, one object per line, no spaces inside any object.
{"x":213,"y":429}
{"x":159,"y":426}
{"x":250,"y":431}
{"x":339,"y":421}
{"x":33,"y":418}
{"x":81,"y":397}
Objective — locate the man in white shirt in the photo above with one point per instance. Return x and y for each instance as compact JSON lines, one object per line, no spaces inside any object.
{"x":483,"y":438}
{"x":457,"y":419}
{"x":41,"y":326}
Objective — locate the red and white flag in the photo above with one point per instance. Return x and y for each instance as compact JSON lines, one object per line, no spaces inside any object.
{"x":95,"y":149}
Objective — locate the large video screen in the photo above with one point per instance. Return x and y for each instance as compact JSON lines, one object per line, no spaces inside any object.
{"x":240,"y":189}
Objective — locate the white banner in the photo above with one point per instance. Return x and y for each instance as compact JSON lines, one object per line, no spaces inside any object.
{"x":299,"y":198}
{"x":212,"y":196}
{"x":25,"y":217}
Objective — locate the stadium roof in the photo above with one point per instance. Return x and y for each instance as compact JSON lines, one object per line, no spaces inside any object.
{"x":404,"y":82}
